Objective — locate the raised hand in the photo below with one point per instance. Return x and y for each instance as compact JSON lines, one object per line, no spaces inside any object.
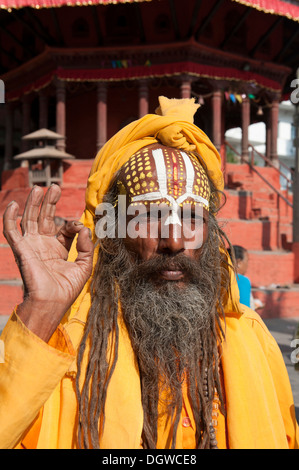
{"x":51,"y":283}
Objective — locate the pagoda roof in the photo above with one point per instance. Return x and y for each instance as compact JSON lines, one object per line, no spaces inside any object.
{"x":250,"y":45}
{"x":43,"y":153}
{"x":43,"y":134}
{"x":17,"y":4}
{"x":287,"y":8}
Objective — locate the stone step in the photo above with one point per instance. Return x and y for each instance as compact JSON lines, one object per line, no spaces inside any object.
{"x":8,"y":267}
{"x":248,"y":177}
{"x":266,"y":268}
{"x":70,"y":205}
{"x":278,"y":301}
{"x":76,"y":172}
{"x":237,"y":205}
{"x":252,"y":234}
{"x":11,"y":293}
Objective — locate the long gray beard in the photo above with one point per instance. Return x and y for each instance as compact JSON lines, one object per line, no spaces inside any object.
{"x":166,"y":323}
{"x":173,"y":330}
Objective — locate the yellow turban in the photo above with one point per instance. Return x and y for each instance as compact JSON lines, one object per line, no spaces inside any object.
{"x":173,"y":126}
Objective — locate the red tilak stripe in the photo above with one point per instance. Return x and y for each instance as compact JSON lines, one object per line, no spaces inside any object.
{"x":175,"y":176}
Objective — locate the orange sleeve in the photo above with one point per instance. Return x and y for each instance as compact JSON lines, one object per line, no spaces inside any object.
{"x":30,"y":372}
{"x":280,"y":378}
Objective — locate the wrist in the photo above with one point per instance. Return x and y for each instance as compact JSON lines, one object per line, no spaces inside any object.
{"x":42,"y":318}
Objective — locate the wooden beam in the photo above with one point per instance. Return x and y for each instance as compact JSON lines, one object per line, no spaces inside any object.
{"x":236,"y":27}
{"x":19,"y":17}
{"x":36,"y":20}
{"x":292,"y":58}
{"x":140,"y":22}
{"x":11,"y":56}
{"x":208,"y":19}
{"x":287,"y":45}
{"x":194,"y":18}
{"x":27,"y":49}
{"x":174,"y":20}
{"x":58,"y":32}
{"x":265,"y":36}
{"x":94,"y":14}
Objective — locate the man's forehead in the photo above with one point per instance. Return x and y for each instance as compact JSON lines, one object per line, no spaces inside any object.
{"x":163,"y":173}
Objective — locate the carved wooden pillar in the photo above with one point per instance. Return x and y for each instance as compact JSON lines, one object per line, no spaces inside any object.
{"x":43,"y":110}
{"x":61,"y":113}
{"x":216,"y":127}
{"x":186,"y":86}
{"x":26,"y":111}
{"x":268,"y":132}
{"x":143,"y":98}
{"x":8,"y":137}
{"x":223,"y":145}
{"x":274,"y":110}
{"x":101,"y":114}
{"x":245,"y":126}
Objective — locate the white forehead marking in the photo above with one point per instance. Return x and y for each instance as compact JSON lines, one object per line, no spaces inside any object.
{"x":161,"y":170}
{"x":190,"y":174}
{"x":162,"y":183}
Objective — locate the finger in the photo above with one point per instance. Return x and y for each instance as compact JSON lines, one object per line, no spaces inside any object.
{"x":68,"y":232}
{"x":85,"y":248}
{"x":46,"y":222}
{"x":10,"y":229}
{"x":29,"y":223}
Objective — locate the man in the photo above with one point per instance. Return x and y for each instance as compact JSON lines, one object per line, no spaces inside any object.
{"x":154,"y":350}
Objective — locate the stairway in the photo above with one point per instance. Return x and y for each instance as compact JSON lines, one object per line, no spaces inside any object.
{"x":253,"y":217}
{"x":70,"y":206}
{"x":256,"y":218}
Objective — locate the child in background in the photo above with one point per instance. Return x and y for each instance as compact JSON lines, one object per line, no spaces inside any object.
{"x":243,"y":281}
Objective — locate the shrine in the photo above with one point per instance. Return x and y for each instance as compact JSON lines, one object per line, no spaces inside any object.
{"x":44,"y":160}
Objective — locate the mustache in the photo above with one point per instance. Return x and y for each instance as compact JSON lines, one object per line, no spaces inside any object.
{"x":180,"y":262}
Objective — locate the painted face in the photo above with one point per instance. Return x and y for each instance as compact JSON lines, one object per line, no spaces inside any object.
{"x":165,"y":175}
{"x":176,"y":182}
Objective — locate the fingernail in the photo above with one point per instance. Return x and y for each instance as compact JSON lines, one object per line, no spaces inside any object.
{"x":77,"y":223}
{"x":10,"y":203}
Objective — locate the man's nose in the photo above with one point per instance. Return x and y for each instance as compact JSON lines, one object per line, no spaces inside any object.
{"x":171,"y":239}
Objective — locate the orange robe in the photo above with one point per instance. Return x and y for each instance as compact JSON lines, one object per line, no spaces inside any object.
{"x":38,"y":407}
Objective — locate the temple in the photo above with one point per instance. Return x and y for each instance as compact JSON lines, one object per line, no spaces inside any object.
{"x":86,"y":69}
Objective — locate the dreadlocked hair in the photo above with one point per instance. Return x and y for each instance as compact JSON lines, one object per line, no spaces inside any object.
{"x":100,"y":331}
{"x":98,"y":350}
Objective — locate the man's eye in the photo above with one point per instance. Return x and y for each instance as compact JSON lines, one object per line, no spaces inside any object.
{"x":192,"y":216}
{"x":198,"y":217}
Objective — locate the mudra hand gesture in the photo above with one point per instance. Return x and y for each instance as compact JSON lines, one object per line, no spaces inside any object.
{"x":51,"y":283}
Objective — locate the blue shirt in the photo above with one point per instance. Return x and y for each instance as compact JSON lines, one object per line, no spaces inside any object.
{"x":244,"y":289}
